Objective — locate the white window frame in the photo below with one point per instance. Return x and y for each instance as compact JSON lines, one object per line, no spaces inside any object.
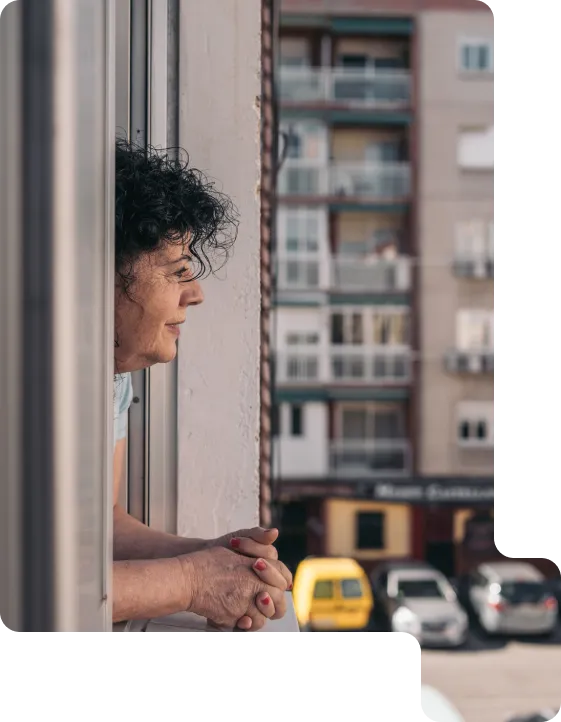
{"x":475,"y":43}
{"x":471,"y":323}
{"x":302,"y":215}
{"x":474,"y":412}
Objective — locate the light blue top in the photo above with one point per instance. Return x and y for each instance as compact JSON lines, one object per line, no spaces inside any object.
{"x":122,"y":399}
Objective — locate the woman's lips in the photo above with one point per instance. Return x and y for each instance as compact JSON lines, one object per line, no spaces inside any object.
{"x":174,"y":328}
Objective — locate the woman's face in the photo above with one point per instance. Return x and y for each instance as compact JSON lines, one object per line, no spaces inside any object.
{"x":148,"y":319}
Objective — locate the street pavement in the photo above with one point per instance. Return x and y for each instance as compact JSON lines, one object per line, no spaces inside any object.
{"x":490,"y":680}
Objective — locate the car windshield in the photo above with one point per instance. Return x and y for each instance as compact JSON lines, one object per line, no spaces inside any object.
{"x":420,"y":588}
{"x":323,"y":589}
{"x":523,"y":592}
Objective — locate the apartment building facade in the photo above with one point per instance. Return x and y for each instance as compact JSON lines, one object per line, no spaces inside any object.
{"x":382,"y":321}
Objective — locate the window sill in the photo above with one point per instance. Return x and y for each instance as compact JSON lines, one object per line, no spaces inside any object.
{"x":187,"y":622}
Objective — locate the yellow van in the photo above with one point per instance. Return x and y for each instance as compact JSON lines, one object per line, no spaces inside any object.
{"x":331,"y":594}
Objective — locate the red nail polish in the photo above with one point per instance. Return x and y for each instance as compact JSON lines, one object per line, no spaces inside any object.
{"x":266,"y":600}
{"x":290,"y":588}
{"x":260,"y":565}
{"x":234,"y":542}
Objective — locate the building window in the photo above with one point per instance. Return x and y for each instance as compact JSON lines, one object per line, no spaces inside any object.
{"x":296,"y":421}
{"x":372,"y":422}
{"x":302,"y":338}
{"x":475,"y":330}
{"x":476,"y":149}
{"x":379,"y":327}
{"x":476,"y":56}
{"x":300,"y":232}
{"x":294,"y":52}
{"x":370,"y":530}
{"x":475,"y":424}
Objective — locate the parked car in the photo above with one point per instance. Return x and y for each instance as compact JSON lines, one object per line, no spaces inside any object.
{"x":416,"y":598}
{"x":512,"y":598}
{"x":542,"y":716}
{"x":331,"y":594}
{"x":554,"y":586}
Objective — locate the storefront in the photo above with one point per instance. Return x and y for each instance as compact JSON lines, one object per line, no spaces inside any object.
{"x":451,"y":519}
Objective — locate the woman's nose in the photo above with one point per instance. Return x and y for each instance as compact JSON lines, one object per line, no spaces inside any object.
{"x":192,"y":294}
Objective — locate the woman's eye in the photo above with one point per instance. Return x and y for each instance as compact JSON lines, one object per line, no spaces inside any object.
{"x":182,"y":272}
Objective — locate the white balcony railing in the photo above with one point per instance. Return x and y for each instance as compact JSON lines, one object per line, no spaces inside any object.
{"x":344,"y":365}
{"x":356,"y":364}
{"x":358,"y":179}
{"x":373,"y":274}
{"x":474,"y":361}
{"x":357,"y":87}
{"x":369,"y":457}
{"x":302,"y":272}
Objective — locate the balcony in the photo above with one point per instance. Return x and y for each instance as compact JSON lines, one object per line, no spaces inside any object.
{"x":359,"y":181}
{"x":470,"y":362}
{"x":472,"y":266}
{"x":370,"y":457}
{"x":371,"y":274}
{"x":302,"y":272}
{"x":359,"y":88}
{"x":360,"y":364}
{"x":345,"y":365}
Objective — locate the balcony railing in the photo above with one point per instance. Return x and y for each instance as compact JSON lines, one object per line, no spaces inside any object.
{"x":371,"y":274}
{"x":369,"y":457}
{"x":370,"y":180}
{"x":302,"y":272}
{"x":471,"y":362}
{"x":344,"y":365}
{"x":356,"y":87}
{"x":474,"y":266}
{"x":356,"y":364}
{"x":363,"y":180}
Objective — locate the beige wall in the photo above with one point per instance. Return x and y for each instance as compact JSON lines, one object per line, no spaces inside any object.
{"x":350,"y":145}
{"x":218,"y":368}
{"x":449,"y":102}
{"x":341,"y":529}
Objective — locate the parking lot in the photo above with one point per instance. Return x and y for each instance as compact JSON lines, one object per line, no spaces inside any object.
{"x":490,"y":680}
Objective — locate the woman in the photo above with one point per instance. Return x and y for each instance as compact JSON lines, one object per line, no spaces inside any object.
{"x":172,"y":227}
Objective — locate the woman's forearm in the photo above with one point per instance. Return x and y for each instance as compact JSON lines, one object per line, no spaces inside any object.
{"x":147,"y":589}
{"x":134,"y":540}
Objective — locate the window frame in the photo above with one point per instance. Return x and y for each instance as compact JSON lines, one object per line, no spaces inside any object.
{"x":472,"y":43}
{"x":473,"y":413}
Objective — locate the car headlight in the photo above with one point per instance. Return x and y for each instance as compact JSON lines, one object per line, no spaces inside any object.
{"x":404,"y":620}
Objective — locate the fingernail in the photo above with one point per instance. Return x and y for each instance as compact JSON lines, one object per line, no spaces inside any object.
{"x":234,"y":542}
{"x":272,"y":529}
{"x":266,"y":600}
{"x":260,"y":565}
{"x":290,"y":588}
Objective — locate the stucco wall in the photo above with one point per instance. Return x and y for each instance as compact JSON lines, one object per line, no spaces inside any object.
{"x":218,"y":383}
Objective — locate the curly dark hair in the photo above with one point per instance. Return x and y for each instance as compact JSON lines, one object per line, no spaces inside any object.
{"x":159,"y":199}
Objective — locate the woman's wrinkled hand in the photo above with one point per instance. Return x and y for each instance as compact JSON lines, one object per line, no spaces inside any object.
{"x":233,"y":590}
{"x":256,"y":542}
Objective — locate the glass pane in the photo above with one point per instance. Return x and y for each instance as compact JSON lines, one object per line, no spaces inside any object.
{"x":323,"y":590}
{"x":351,"y":589}
{"x":337,"y":328}
{"x":354,"y":423}
{"x":387,"y":425}
{"x":356,"y":328}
